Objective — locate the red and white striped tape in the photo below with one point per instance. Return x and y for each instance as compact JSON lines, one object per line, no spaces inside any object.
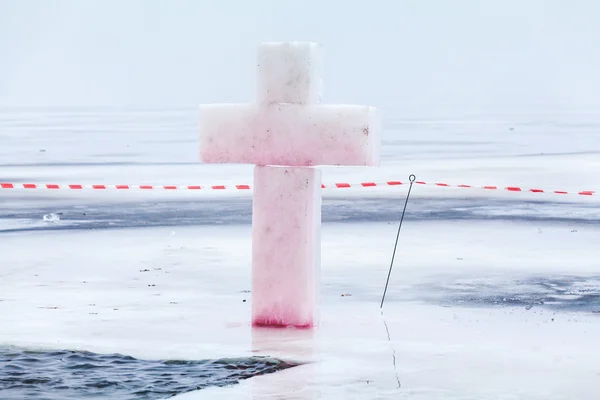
{"x":341,"y":185}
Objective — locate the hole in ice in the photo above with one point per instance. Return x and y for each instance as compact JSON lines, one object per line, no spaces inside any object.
{"x":70,"y":375}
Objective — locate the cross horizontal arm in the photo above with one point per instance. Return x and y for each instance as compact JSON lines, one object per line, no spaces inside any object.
{"x":290,"y":134}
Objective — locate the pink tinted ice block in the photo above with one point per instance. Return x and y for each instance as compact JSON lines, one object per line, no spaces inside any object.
{"x":286,"y":246}
{"x":290,"y":134}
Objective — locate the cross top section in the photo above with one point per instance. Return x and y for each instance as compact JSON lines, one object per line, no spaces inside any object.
{"x":289,"y":73}
{"x":288,"y":125}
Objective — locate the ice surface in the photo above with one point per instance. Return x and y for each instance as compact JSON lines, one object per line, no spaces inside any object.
{"x":289,"y":73}
{"x":289,"y":134}
{"x":100,"y":300}
{"x":286,"y":246}
{"x":549,"y":149}
{"x":461,"y":252}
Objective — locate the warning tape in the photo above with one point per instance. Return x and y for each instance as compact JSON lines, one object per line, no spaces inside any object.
{"x":341,"y":185}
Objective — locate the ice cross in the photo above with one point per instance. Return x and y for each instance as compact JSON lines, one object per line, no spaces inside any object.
{"x":284,"y":135}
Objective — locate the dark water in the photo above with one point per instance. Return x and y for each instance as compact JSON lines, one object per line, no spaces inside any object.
{"x":70,"y":375}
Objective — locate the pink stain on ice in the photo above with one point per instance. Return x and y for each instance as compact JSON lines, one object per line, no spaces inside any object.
{"x":268,"y":322}
{"x":285,"y":134}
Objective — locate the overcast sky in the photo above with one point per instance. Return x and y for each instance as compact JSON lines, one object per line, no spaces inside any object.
{"x":515,"y":53}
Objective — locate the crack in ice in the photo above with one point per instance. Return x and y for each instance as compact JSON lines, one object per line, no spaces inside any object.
{"x":393,"y":351}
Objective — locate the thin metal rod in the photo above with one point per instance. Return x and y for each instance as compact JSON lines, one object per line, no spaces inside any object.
{"x":412,"y":179}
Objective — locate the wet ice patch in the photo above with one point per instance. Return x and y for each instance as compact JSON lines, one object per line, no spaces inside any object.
{"x":70,"y":375}
{"x":234,"y":211}
{"x":11,"y":224}
{"x":568,"y":293}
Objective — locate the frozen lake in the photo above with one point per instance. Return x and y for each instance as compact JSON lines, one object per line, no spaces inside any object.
{"x":494,"y":295}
